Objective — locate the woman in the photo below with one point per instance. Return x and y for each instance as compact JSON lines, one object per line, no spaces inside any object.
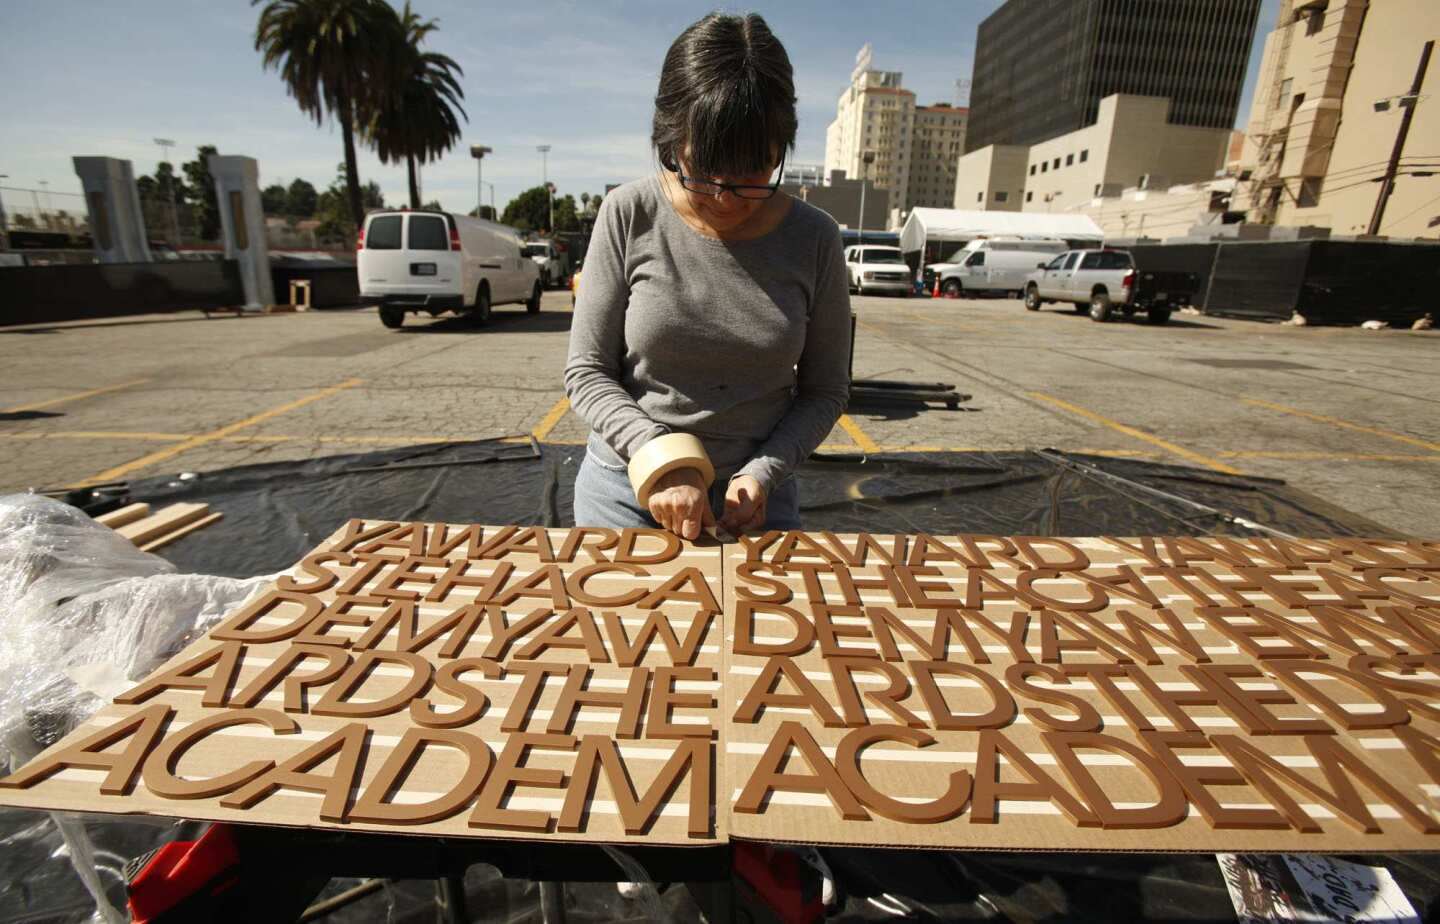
{"x":713,"y":304}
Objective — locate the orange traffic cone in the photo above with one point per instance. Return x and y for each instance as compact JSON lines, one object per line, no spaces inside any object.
{"x":936,"y":293}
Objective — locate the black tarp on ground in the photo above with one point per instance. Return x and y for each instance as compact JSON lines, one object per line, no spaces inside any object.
{"x":276,"y":512}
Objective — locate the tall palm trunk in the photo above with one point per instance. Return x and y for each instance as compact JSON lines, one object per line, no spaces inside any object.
{"x":352,"y":169}
{"x":414,"y":183}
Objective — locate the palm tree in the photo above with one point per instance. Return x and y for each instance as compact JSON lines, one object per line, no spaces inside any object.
{"x":417,"y":119}
{"x":326,"y":52}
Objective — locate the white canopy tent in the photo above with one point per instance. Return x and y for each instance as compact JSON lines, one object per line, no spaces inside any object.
{"x":930,"y":225}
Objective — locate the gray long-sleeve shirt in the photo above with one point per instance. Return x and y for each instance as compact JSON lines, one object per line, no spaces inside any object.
{"x":745,"y":344}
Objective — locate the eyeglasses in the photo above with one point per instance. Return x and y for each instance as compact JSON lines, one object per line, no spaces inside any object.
{"x":739,"y":190}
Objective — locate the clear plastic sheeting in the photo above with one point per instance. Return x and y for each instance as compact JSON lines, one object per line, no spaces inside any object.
{"x":86,"y":614}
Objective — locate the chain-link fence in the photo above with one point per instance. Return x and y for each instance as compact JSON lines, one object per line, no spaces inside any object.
{"x":42,"y":209}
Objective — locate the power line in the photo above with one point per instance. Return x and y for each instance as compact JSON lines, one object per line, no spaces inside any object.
{"x":1412,"y":212}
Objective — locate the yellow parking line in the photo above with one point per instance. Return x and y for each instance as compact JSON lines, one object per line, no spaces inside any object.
{"x":548,"y":422}
{"x":1150,"y":438}
{"x":169,"y":452}
{"x":861,"y":438}
{"x":138,"y":437}
{"x":1345,"y":424}
{"x":68,"y":398}
{"x":1328,"y":456}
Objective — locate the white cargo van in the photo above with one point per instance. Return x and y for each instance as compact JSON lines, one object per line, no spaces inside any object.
{"x":875,"y":269}
{"x":992,"y":264}
{"x":437,"y":262}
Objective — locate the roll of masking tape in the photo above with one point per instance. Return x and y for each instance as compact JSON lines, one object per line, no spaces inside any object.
{"x":663,"y":455}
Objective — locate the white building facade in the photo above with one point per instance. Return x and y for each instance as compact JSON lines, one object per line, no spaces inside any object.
{"x":874,"y":113}
{"x":938,"y":138}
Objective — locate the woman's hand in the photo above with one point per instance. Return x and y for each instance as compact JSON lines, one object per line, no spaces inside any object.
{"x":680,"y":503}
{"x":744,"y":505}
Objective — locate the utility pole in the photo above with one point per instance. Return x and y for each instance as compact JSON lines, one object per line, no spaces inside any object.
{"x":544,"y":150}
{"x":4,"y":224}
{"x":1409,"y":102}
{"x":478,"y":151}
{"x":165,"y":145}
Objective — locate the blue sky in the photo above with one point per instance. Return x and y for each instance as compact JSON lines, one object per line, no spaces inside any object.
{"x":108,"y":77}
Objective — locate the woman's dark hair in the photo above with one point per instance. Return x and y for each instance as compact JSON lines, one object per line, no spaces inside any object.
{"x":728,"y":92}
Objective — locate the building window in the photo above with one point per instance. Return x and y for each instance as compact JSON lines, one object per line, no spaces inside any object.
{"x":1057,"y":163}
{"x":1032,"y":169}
{"x":1084,"y":155}
{"x":1315,"y":19}
{"x":1001,"y":195}
{"x":1045,"y":166}
{"x":1309,"y":192}
{"x":1029,"y":196}
{"x":1069,"y":159}
{"x":1097,"y":190}
{"x":980,"y":197}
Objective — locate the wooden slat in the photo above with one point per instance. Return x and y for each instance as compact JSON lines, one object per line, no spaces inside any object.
{"x":164,"y":521}
{"x":182,"y":531}
{"x":124,"y":515}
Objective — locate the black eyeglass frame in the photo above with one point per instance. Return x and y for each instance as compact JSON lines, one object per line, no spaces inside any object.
{"x":713,"y":188}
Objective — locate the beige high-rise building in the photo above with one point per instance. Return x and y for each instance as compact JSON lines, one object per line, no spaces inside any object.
{"x":939,"y":138}
{"x":874,"y":113}
{"x":1329,"y":103}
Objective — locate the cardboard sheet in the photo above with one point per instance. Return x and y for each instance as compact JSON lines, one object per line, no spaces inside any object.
{"x":1085,"y":694}
{"x":431,"y":679}
{"x":958,"y":692}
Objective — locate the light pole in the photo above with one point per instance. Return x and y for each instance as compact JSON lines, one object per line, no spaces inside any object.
{"x":45,"y":212}
{"x":165,"y":145}
{"x":544,"y":150}
{"x":3,"y":223}
{"x":867,"y":157}
{"x":478,"y":151}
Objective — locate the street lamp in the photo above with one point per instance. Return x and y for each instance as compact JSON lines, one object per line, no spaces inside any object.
{"x":867,"y":157}
{"x":165,"y":145}
{"x":544,"y":150}
{"x":478,"y":151}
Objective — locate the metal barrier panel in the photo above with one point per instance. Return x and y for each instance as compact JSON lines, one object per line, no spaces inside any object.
{"x":48,"y":294}
{"x":1258,"y":279}
{"x":1348,"y":282}
{"x":1182,"y":258}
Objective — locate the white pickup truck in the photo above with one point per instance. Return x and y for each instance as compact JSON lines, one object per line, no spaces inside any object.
{"x":1103,"y":281}
{"x":550,"y":260}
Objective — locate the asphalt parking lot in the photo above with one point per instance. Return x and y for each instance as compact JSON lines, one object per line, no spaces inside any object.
{"x":1352,"y":416}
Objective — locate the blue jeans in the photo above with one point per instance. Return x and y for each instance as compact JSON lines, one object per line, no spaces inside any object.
{"x":603,"y":497}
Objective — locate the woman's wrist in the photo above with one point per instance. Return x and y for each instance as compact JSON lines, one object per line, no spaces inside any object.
{"x":663,"y":455}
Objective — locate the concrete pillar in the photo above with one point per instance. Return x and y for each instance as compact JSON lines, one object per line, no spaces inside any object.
{"x":242,"y":220}
{"x":117,"y":224}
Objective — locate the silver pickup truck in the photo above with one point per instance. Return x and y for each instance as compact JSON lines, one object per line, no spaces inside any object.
{"x":1103,"y":281}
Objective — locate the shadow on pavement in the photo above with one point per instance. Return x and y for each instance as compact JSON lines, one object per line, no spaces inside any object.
{"x":501,"y":322}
